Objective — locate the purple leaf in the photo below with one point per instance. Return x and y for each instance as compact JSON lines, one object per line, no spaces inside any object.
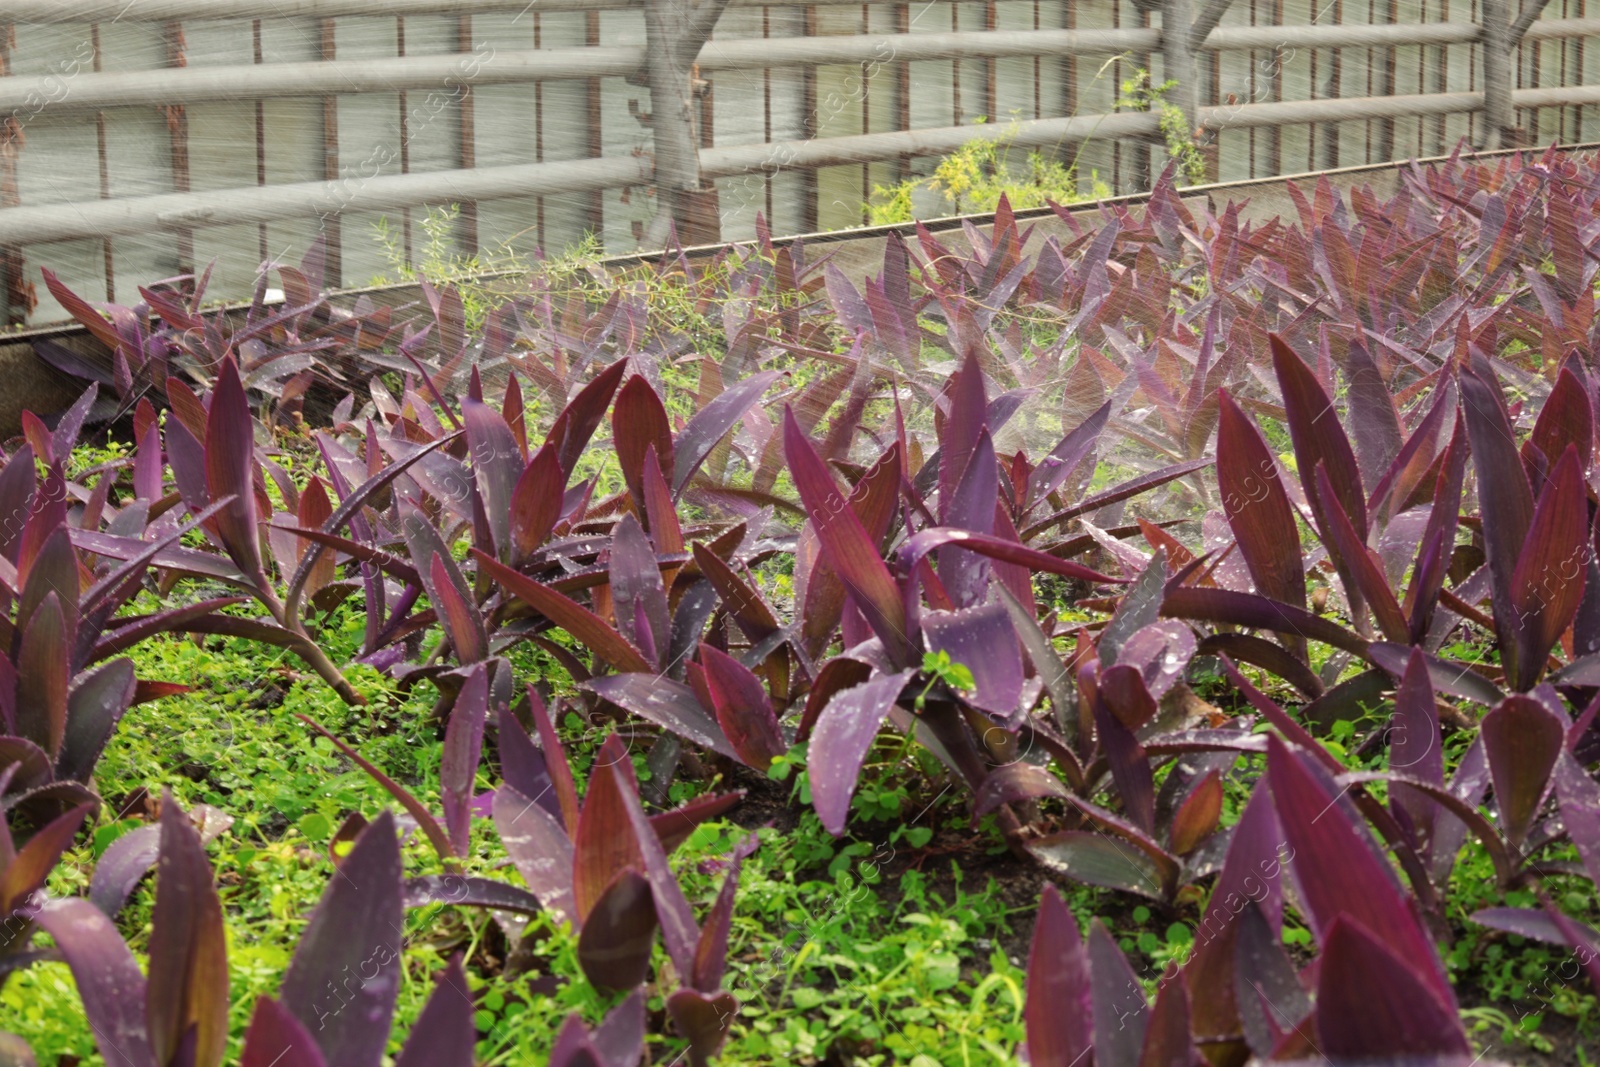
{"x":1338,"y":869}
{"x":54,"y":569}
{"x":1140,"y":605}
{"x":1376,"y":1002}
{"x":853,"y":554}
{"x":444,"y":1035}
{"x":678,"y":928}
{"x":349,"y":511}
{"x":127,"y":860}
{"x":1416,"y":748}
{"x":636,"y":589}
{"x":1015,"y":782}
{"x":523,"y":765}
{"x":962,"y":430}
{"x":556,"y":760}
{"x":670,"y":705}
{"x":618,"y":932}
{"x":1579,"y":798}
{"x":1377,"y":436}
{"x":188,"y":982}
{"x":583,"y":624}
{"x":470,"y":891}
{"x":1122,"y":705}
{"x":28,"y":869}
{"x":1270,"y":998}
{"x":1257,"y":507}
{"x":603,"y":845}
{"x":1505,"y":501}
{"x":1581,"y":939}
{"x":703,"y":1020}
{"x":1359,"y":562}
{"x":463,"y":748}
{"x":1256,"y":612}
{"x":1065,"y":457}
{"x":536,"y":502}
{"x":708,"y":426}
{"x":107,"y":977}
{"x":496,"y":466}
{"x":42,"y":673}
{"x":1197,"y":817}
{"x":582,"y":416}
{"x":1565,"y":418}
{"x":711,"y":951}
{"x":1160,"y":652}
{"x":540,"y":848}
{"x":345,"y":975}
{"x":1098,"y":859}
{"x":638,"y":422}
{"x":276,"y":1039}
{"x":1527,"y":922}
{"x":1121,"y":1013}
{"x":983,"y":639}
{"x":94,"y":706}
{"x":1547,"y":585}
{"x":447,"y":589}
{"x":229,"y":466}
{"x":1058,"y":1010}
{"x":1167,"y":1042}
{"x":971,"y":506}
{"x":839,"y":742}
{"x":1522,"y":740}
{"x":743,"y":709}
{"x":1457,"y":679}
{"x":674,"y":827}
{"x":925,"y":541}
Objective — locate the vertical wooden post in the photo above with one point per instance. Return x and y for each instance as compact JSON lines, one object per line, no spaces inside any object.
{"x":261,"y":145}
{"x":810,"y":129}
{"x":1177,"y":18}
{"x":332,"y":230}
{"x":15,"y":288}
{"x":468,"y":139}
{"x":866,"y":121}
{"x":902,"y":84}
{"x":1386,"y":72}
{"x":1331,"y":90}
{"x":105,"y":171}
{"x":597,"y":199}
{"x":1498,"y":120}
{"x":405,"y":140}
{"x":538,"y":130}
{"x":674,"y":35}
{"x":177,"y":117}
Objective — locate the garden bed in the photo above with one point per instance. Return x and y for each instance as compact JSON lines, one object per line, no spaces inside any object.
{"x":1178,"y":636}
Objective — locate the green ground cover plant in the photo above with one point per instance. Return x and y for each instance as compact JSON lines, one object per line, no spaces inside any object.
{"x":1171,"y":639}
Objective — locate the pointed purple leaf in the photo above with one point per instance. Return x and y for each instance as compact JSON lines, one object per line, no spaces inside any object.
{"x":1058,"y":1010}
{"x":444,"y":1035}
{"x":107,"y":977}
{"x":463,"y":748}
{"x":188,"y":980}
{"x":1121,"y":1013}
{"x":540,"y":848}
{"x":229,"y":465}
{"x":276,"y":1039}
{"x":345,"y":975}
{"x":839,"y":742}
{"x":1374,"y":1002}
{"x":670,"y":705}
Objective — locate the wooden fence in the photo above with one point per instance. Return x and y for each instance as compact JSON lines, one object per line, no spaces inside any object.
{"x":145,"y":139}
